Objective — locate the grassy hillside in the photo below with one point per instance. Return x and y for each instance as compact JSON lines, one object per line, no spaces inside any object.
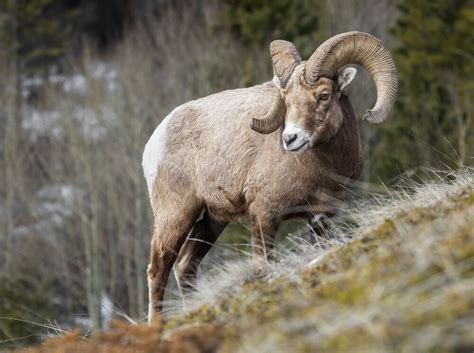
{"x":400,"y":278}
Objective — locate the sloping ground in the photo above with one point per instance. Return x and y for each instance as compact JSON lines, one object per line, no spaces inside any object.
{"x":405,"y":283}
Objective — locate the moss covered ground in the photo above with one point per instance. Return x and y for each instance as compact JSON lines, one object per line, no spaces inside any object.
{"x":403,"y":283}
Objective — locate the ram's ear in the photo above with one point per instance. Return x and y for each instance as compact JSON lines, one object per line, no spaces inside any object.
{"x":276,"y":82}
{"x":344,"y":77}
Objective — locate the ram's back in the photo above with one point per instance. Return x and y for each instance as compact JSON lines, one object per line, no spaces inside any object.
{"x":207,"y":144}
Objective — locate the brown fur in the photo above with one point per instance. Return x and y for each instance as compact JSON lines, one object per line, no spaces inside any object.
{"x":214,"y":163}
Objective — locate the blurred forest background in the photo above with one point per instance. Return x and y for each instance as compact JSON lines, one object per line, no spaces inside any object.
{"x":83,"y":84}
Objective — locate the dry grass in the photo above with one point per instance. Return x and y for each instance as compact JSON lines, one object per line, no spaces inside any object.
{"x":400,"y":280}
{"x":131,"y":338}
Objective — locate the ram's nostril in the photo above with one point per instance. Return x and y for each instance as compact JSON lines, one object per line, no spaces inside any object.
{"x":289,"y":138}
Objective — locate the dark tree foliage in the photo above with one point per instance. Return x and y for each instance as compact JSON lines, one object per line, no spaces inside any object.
{"x":262,"y":21}
{"x":105,"y":21}
{"x":435,"y":59}
{"x":42,"y":32}
{"x":36,"y":33}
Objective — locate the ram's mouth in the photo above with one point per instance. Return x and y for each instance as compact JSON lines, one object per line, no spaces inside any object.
{"x":300,"y":148}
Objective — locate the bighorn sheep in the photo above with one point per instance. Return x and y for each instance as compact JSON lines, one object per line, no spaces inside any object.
{"x":269,"y":152}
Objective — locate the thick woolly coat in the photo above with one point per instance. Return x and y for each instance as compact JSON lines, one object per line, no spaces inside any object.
{"x":211,"y":154}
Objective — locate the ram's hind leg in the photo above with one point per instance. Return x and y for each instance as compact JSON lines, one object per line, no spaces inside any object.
{"x":172,"y":225}
{"x":201,"y":239}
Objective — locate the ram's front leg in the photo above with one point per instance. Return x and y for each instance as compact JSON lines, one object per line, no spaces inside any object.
{"x":320,"y":224}
{"x":264,"y":228}
{"x":327,"y":202}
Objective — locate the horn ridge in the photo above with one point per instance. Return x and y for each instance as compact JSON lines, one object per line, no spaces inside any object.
{"x":274,"y":118}
{"x":365,"y":50}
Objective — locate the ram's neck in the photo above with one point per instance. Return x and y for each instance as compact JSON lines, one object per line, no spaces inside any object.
{"x":344,"y":151}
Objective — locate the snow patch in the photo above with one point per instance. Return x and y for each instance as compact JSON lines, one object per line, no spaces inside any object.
{"x":75,"y":84}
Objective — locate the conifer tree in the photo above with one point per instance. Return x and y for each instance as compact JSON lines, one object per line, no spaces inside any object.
{"x":261,"y":21}
{"x":435,"y":59}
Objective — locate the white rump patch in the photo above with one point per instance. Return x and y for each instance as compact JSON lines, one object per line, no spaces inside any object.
{"x":155,"y":151}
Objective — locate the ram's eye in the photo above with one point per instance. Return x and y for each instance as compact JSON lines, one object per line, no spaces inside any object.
{"x":323,"y":96}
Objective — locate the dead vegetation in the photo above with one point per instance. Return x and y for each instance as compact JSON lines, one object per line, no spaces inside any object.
{"x":403,"y":283}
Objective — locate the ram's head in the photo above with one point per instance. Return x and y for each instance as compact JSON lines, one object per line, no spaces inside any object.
{"x":308,"y":99}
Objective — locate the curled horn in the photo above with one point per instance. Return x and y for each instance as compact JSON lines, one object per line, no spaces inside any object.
{"x":365,"y":50}
{"x":285,"y":59}
{"x":274,"y":117}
